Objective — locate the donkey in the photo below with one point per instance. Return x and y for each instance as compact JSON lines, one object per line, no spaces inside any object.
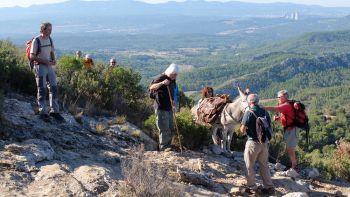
{"x":230,"y":116}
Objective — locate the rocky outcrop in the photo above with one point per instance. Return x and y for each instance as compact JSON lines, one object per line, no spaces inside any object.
{"x":86,"y":158}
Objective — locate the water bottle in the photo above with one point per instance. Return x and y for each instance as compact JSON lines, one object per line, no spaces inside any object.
{"x":52,"y":55}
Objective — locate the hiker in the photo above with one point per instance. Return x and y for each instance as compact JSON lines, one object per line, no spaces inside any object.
{"x":256,"y":149}
{"x":112,"y":62}
{"x":88,"y":62}
{"x":207,"y":92}
{"x":286,"y":117}
{"x":44,"y":74}
{"x":163,"y":105}
{"x":78,"y":54}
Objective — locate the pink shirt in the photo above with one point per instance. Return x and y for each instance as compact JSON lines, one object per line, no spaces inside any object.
{"x":287,"y":115}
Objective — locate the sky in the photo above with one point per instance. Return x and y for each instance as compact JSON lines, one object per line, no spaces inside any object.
{"x":327,"y":3}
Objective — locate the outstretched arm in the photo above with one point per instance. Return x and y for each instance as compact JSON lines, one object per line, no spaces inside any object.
{"x":274,"y":109}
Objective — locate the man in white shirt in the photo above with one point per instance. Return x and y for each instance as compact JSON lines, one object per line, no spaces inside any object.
{"x":42,"y":53}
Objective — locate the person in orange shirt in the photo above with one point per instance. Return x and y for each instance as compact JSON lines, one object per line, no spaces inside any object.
{"x":88,"y":62}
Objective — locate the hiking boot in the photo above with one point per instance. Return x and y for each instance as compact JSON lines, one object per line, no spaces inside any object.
{"x":45,"y":117}
{"x":246,"y":191}
{"x":267,"y":191}
{"x":57,"y":116}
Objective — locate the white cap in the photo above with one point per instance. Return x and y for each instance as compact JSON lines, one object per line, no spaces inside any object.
{"x":87,"y":56}
{"x":172,"y":69}
{"x":112,"y":60}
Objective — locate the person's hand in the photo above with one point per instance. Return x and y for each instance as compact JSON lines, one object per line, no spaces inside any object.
{"x":166,"y":82}
{"x":174,"y":108}
{"x":52,"y":63}
{"x":274,"y":118}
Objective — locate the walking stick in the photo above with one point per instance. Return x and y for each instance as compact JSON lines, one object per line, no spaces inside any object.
{"x":174,"y":117}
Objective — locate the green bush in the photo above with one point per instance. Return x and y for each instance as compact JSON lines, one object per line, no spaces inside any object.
{"x":102,"y":87}
{"x":14,"y":74}
{"x":150,"y":123}
{"x":192,"y":135}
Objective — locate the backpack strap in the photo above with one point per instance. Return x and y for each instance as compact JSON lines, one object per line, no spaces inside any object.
{"x":36,"y":39}
{"x":258,"y":134}
{"x":253,"y":113}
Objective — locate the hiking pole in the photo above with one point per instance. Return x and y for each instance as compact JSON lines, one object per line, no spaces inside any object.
{"x":174,"y":117}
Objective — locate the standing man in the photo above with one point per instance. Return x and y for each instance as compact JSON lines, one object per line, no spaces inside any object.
{"x":254,"y":149}
{"x":42,"y":53}
{"x":163,"y":104}
{"x":286,"y":117}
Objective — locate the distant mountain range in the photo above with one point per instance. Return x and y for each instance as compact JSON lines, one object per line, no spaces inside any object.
{"x":191,"y":17}
{"x":118,"y":8}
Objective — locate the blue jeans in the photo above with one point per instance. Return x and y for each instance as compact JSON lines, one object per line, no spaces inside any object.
{"x":46,"y":78}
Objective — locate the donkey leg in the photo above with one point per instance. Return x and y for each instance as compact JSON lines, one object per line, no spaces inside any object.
{"x":224,"y":139}
{"x":214,"y":136}
{"x":230,"y":132}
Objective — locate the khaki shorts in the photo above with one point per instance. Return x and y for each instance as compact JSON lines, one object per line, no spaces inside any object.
{"x":291,"y":137}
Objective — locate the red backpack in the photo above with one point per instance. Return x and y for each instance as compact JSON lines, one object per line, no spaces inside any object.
{"x":28,"y":47}
{"x":301,"y":120}
{"x":29,"y":44}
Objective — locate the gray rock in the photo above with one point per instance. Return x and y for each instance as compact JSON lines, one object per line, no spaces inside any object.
{"x":55,"y":180}
{"x":289,"y":173}
{"x":94,"y":178}
{"x":338,"y":194}
{"x":302,"y":183}
{"x":289,"y":185}
{"x":296,"y":194}
{"x":17,"y":113}
{"x":216,"y":149}
{"x":311,"y":173}
{"x":23,"y":156}
{"x":279,"y":167}
{"x":2,"y":144}
{"x":235,"y":191}
{"x":149,"y":143}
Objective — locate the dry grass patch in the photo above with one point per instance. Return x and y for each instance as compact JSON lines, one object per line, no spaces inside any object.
{"x":143,"y":179}
{"x":118,"y":120}
{"x":124,"y":128}
{"x":136,"y":133}
{"x":100,"y":127}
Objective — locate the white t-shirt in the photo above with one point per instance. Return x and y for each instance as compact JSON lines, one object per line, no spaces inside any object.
{"x":45,"y":48}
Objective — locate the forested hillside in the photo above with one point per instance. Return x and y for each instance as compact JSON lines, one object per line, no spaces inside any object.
{"x":312,"y":60}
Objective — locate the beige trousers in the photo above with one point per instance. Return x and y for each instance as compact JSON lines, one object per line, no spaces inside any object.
{"x":254,"y":151}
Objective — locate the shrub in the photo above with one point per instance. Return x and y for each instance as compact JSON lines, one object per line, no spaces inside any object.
{"x":342,"y":160}
{"x":110,"y":88}
{"x":14,"y":74}
{"x":142,"y":179}
{"x":192,"y":135}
